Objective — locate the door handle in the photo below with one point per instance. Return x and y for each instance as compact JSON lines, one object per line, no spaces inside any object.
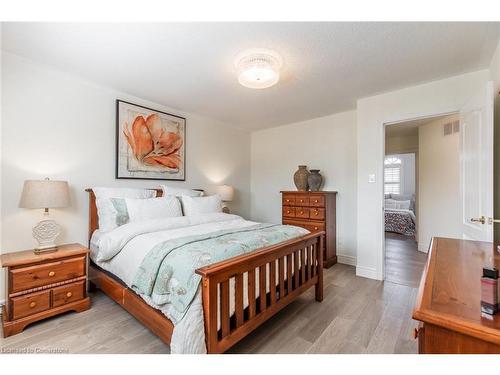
{"x":481,"y":220}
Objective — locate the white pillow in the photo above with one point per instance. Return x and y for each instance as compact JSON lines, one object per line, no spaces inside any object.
{"x":390,"y":204}
{"x":153,"y":208}
{"x":404,"y":205}
{"x":111,"y":211}
{"x":201,"y":205}
{"x":178,"y":192}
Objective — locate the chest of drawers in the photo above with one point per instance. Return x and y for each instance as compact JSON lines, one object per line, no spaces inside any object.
{"x":42,"y":285}
{"x":314,"y":211}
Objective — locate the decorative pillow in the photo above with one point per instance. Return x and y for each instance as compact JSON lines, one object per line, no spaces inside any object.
{"x":153,"y":208}
{"x":112,"y":212}
{"x":179,"y":192}
{"x":201,"y":205}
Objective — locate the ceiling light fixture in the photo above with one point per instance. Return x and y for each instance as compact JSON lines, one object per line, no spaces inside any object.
{"x":258,"y":68}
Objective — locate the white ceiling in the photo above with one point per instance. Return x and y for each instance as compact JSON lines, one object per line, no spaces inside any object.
{"x":189,"y":66}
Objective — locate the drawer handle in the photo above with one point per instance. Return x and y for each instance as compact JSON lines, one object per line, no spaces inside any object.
{"x":288,"y":200}
{"x":51,"y":273}
{"x":315,"y":201}
{"x":301,"y":201}
{"x":315,"y":228}
{"x":32,"y":304}
{"x":316,"y":213}
{"x":69,"y":295}
{"x":301,"y":212}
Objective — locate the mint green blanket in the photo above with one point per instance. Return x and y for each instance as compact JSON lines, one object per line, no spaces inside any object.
{"x":167,"y":273}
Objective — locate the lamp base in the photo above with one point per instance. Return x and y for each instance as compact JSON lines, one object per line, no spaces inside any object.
{"x":46,"y":232}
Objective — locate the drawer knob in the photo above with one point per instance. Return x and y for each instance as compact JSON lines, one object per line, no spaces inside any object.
{"x":316,"y":213}
{"x":301,"y":201}
{"x":288,"y":212}
{"x":69,"y":294}
{"x":32,"y":304}
{"x":51,"y":273}
{"x":315,"y":201}
{"x":301,"y":212}
{"x":288,"y":200}
{"x":315,"y":228}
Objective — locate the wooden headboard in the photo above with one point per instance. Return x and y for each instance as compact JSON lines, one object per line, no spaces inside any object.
{"x":93,"y":218}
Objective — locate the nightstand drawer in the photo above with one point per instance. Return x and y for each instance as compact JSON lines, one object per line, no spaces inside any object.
{"x":30,"y":304}
{"x":48,"y":273}
{"x":67,"y":293}
{"x":301,"y":200}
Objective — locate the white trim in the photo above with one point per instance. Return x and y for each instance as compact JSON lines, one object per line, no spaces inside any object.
{"x":368,"y":272}
{"x":346,"y":259}
{"x":422,"y":247}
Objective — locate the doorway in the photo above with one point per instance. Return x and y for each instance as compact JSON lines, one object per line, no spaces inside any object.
{"x":421,"y":192}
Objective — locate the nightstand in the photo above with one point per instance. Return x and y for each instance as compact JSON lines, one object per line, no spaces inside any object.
{"x":39,"y":286}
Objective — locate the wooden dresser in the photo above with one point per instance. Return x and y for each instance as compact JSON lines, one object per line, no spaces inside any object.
{"x":42,"y":285}
{"x":314,"y":211}
{"x":449,"y":299}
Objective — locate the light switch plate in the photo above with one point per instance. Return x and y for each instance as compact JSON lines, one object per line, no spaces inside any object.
{"x":371,"y":178}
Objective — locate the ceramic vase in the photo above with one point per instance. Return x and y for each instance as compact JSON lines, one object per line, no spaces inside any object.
{"x":314,"y":180}
{"x":300,"y":178}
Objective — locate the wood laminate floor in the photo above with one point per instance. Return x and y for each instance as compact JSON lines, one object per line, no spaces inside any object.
{"x":357,"y":315}
{"x":403,"y":262}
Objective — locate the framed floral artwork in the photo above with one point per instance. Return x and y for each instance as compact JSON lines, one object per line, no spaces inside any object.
{"x":150,"y":144}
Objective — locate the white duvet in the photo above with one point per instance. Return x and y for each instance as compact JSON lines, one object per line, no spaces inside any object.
{"x":122,"y":250}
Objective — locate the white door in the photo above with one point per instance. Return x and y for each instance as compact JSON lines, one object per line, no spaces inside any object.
{"x":476,"y":158}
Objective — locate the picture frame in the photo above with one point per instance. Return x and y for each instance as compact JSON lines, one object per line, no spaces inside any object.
{"x":150,"y":144}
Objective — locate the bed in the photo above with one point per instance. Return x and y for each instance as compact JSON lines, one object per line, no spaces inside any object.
{"x":400,"y":219}
{"x":234,"y":296}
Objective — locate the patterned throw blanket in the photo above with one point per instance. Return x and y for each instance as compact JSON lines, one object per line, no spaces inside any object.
{"x":399,"y":222}
{"x":167,"y":273}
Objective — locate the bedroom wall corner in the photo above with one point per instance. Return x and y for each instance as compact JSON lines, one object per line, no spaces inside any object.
{"x":62,"y":126}
{"x":495,"y":77}
{"x":327,"y":143}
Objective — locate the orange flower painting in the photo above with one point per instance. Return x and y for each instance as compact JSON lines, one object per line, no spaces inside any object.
{"x":150,"y":143}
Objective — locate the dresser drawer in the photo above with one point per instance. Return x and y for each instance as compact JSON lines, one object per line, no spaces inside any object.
{"x":30,"y":304}
{"x":43,"y":274}
{"x":288,"y":200}
{"x":288,"y":211}
{"x":317,"y":213}
{"x":301,"y":200}
{"x":309,"y":225}
{"x":317,"y":201}
{"x":68,"y":293}
{"x":302,"y":212}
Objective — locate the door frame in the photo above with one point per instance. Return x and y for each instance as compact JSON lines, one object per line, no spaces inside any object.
{"x":384,"y":125}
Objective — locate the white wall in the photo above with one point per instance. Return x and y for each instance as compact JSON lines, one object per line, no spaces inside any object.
{"x":439,"y":183}
{"x":495,"y":76}
{"x":439,"y":97}
{"x":63,"y":127}
{"x":401,"y":144}
{"x":326,"y":143}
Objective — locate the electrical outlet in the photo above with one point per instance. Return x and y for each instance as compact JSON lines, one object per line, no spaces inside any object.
{"x":371,"y":178}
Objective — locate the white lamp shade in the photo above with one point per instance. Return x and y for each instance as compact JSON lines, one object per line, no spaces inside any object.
{"x":44,"y":194}
{"x":225,"y":192}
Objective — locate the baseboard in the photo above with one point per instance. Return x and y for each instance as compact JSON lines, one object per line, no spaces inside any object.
{"x":422,"y":247}
{"x":368,"y":272}
{"x":346,"y":259}
{"x":2,"y":303}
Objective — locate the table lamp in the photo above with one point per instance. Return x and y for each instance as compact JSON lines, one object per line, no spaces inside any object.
{"x":45,"y":194}
{"x":226,"y":194}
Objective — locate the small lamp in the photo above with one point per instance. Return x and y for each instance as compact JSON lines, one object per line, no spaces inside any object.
{"x":45,"y":194}
{"x":226,"y":194}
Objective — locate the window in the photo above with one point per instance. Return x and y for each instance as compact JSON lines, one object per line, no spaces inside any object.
{"x":392,"y":175}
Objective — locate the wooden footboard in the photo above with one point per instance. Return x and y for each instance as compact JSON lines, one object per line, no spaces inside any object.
{"x":298,"y":266}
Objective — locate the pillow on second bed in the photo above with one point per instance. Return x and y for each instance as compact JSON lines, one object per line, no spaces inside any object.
{"x":201,"y":205}
{"x":153,"y":208}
